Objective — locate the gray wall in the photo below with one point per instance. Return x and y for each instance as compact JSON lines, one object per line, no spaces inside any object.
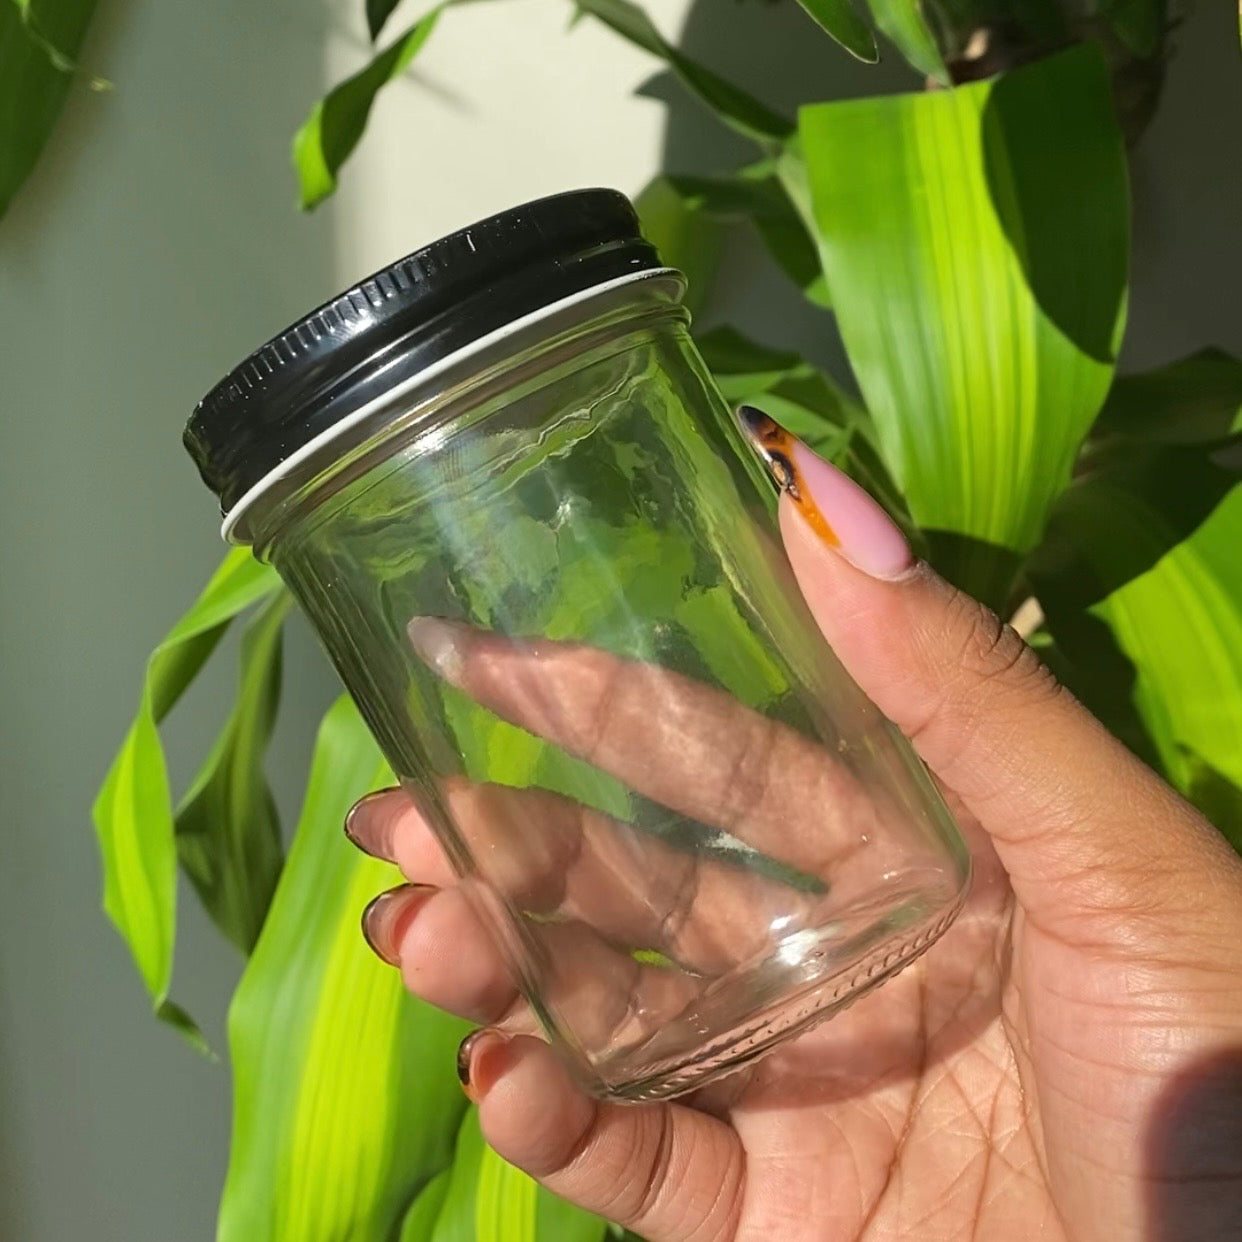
{"x":118,"y":304}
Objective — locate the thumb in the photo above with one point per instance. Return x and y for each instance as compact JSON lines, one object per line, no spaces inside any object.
{"x":1084,"y":829}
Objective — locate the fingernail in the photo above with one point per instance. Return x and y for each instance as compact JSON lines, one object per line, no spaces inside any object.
{"x":358,"y":824}
{"x":482,"y":1057}
{"x":843,"y":515}
{"x":438,"y":645}
{"x":388,"y":917}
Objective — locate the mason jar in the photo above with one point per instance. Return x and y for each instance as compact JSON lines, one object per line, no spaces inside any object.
{"x":503,"y":487}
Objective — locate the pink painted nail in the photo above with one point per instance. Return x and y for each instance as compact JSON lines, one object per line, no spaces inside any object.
{"x":843,"y":515}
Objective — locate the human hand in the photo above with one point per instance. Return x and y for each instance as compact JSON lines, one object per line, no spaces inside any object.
{"x":1065,"y":1063}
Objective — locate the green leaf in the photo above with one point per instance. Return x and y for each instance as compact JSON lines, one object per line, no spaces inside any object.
{"x":1192,"y":400}
{"x":133,"y":821}
{"x":685,"y":236}
{"x":378,"y":12}
{"x":979,"y":301}
{"x":795,"y":393}
{"x":559,"y":1221}
{"x":1139,"y":24}
{"x":171,"y":1013}
{"x":736,"y":108}
{"x":228,"y":831}
{"x":39,"y":43}
{"x":345,"y":1101}
{"x":59,"y":59}
{"x":1132,"y":533}
{"x":744,"y":367}
{"x":838,"y":19}
{"x":336,"y":123}
{"x":1132,"y":503}
{"x":764,"y":202}
{"x":1219,"y":798}
{"x":790,"y":168}
{"x":903,"y":23}
{"x":133,"y":812}
{"x":807,"y":402}
{"x":489,"y":1200}
{"x":1086,"y":659}
{"x":420,"y":1220}
{"x":1180,"y":624}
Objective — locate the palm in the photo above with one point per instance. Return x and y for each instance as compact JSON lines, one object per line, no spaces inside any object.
{"x":917,"y":1114}
{"x":904,"y":1117}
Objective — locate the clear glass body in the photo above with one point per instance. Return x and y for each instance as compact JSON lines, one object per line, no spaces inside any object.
{"x":687,"y":831}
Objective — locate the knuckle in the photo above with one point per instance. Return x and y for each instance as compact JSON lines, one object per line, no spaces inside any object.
{"x":994,"y":655}
{"x":557,"y":1148}
{"x":752,"y":771}
{"x":980,"y":671}
{"x":603,"y":725}
{"x":651,"y":1181}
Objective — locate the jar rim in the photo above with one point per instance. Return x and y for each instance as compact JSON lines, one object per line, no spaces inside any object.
{"x":235,"y":524}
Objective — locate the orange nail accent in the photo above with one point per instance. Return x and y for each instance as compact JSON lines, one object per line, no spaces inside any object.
{"x":775,"y":445}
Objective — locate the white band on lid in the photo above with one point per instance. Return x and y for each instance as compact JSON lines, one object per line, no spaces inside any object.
{"x":232,"y":529}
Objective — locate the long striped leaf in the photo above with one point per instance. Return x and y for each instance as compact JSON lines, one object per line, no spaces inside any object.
{"x":228,"y":831}
{"x":1140,"y":593}
{"x":903,"y":22}
{"x":345,"y":1103}
{"x":1181,"y":626}
{"x":420,"y":1220}
{"x":686,"y":236}
{"x":1131,"y":504}
{"x":378,"y":12}
{"x":336,"y":123}
{"x":759,"y":196}
{"x":133,"y":812}
{"x":488,"y":1200}
{"x":735,"y":107}
{"x":1194,"y":400}
{"x":786,"y":385}
{"x":975,"y":246}
{"x":837,"y":18}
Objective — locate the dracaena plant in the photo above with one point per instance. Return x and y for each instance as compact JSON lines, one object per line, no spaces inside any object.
{"x":971,"y":242}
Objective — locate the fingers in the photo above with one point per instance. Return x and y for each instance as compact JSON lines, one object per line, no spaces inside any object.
{"x":1083,"y":828}
{"x":548,"y":855}
{"x":681,"y":743}
{"x":444,"y":952}
{"x":612,"y":1001}
{"x":450,"y":954}
{"x":668,"y":1172}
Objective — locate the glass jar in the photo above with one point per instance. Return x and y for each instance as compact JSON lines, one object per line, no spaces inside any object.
{"x":504,"y":488}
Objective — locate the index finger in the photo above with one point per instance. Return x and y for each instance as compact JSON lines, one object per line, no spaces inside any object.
{"x":681,"y":743}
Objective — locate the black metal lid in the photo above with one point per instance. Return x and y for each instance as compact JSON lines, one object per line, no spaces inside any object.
{"x":402,"y":319}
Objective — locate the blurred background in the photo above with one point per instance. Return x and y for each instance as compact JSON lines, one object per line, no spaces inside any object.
{"x":157,"y":242}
